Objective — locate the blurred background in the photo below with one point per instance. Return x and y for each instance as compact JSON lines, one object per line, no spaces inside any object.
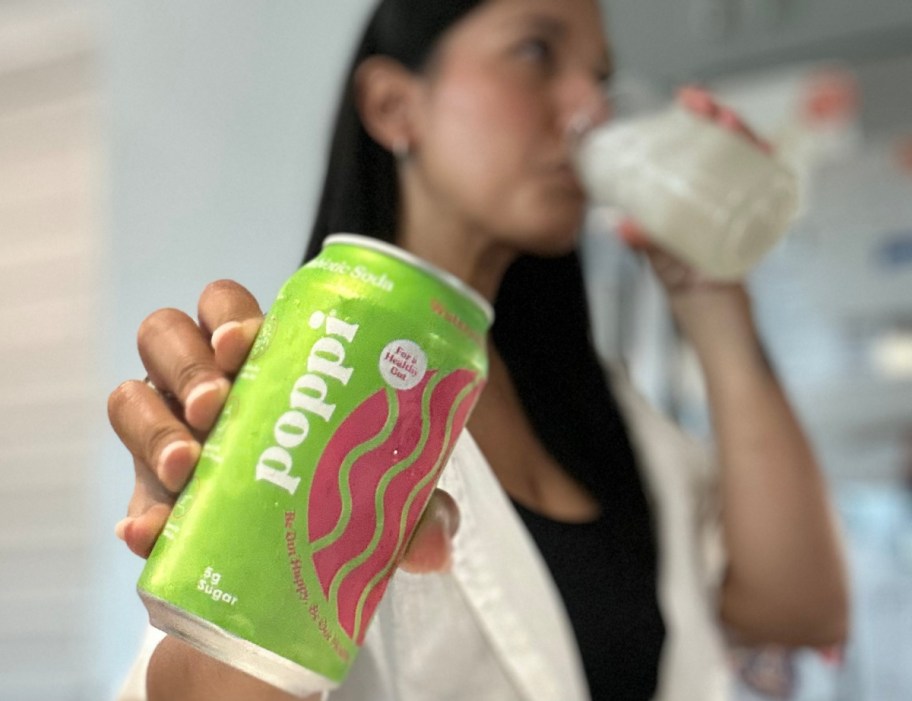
{"x":148,"y":148}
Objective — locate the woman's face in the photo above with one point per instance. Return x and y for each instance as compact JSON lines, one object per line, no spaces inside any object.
{"x":490,"y":142}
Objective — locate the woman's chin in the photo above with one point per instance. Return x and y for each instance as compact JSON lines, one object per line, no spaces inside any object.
{"x":557,"y":235}
{"x":557,"y":241}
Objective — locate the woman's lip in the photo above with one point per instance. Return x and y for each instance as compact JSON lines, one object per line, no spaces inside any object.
{"x":567,"y":172}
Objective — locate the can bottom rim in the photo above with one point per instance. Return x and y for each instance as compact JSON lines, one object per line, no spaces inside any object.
{"x":233,"y":650}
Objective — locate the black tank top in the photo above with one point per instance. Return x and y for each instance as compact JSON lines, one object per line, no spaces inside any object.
{"x":606,"y":571}
{"x":608,"y":585}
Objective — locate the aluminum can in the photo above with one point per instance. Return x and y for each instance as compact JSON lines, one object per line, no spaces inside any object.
{"x":330,"y":443}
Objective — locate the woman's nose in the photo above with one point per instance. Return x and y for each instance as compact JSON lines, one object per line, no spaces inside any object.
{"x":600,"y":106}
{"x":588,"y":104}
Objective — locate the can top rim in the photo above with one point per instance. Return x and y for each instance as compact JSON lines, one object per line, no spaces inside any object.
{"x":402,"y":254}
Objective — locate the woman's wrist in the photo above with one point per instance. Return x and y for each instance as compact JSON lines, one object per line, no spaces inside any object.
{"x":718,"y":323}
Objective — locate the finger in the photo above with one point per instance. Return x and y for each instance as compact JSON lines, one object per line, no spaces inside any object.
{"x":180,"y":360}
{"x":230,"y":313}
{"x":149,"y":508}
{"x":732,"y":121}
{"x":702,"y":102}
{"x":232,"y":341}
{"x":673,"y":273}
{"x":664,"y":263}
{"x":431,"y":546}
{"x":633,"y":234}
{"x":141,"y":532}
{"x":224,"y":301}
{"x":698,"y":100}
{"x":151,"y":432}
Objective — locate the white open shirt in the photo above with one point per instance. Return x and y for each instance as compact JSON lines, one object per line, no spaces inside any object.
{"x":494,"y":627}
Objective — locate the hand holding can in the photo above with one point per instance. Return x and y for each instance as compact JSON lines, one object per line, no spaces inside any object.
{"x":325,"y":455}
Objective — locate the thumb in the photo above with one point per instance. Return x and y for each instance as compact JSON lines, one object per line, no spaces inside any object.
{"x":633,"y":234}
{"x":431,"y":546}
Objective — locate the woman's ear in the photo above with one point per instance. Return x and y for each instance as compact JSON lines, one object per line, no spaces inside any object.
{"x":384,"y":91}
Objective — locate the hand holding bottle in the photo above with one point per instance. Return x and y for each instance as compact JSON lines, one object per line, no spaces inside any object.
{"x":697,"y":179}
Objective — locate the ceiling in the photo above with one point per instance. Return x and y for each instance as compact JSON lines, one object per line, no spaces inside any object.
{"x":676,"y":40}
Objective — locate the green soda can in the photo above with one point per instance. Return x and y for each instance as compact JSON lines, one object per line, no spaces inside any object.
{"x":311,"y":483}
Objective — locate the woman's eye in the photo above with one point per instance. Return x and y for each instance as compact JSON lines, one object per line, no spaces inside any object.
{"x":605,"y":81}
{"x":537,"y":50}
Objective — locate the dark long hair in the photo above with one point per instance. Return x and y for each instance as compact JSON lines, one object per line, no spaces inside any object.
{"x":542,"y":328}
{"x":361,"y":189}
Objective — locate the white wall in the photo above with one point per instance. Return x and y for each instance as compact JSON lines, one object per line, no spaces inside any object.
{"x":218,"y":112}
{"x":49,"y":394}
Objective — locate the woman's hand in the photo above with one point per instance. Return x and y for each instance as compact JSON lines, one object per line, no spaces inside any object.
{"x":786,"y":581}
{"x":191,"y":367}
{"x":677,"y":276}
{"x":700,"y":304}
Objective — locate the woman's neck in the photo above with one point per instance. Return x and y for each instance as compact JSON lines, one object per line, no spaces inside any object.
{"x":450,"y":243}
{"x":480,"y":267}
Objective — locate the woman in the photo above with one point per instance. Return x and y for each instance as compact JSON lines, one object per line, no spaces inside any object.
{"x":586,"y":562}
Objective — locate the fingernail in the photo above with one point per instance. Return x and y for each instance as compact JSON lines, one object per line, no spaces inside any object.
{"x":447,"y":566}
{"x":252,"y":326}
{"x":120,"y":527}
{"x":205,"y":401}
{"x":175,"y":462}
{"x":450,"y":525}
{"x":249,"y":329}
{"x":632,"y":234}
{"x":232,"y":342}
{"x":222,"y":330}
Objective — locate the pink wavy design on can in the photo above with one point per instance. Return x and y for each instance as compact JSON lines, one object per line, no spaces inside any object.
{"x":363,"y":483}
{"x":396,"y":499}
{"x":325,"y":502}
{"x":376,"y":594}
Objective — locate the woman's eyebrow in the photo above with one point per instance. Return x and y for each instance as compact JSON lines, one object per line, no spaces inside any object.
{"x":551,"y":26}
{"x":555,"y":28}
